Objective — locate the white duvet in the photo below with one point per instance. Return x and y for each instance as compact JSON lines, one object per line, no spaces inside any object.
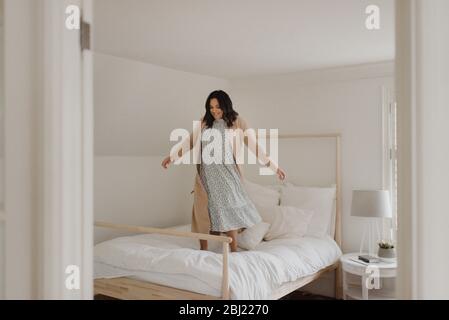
{"x":177,"y":262}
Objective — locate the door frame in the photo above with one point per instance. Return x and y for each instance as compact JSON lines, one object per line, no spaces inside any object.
{"x":48,"y":152}
{"x":421,"y":64}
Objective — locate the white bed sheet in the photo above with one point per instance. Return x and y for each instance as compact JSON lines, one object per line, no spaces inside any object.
{"x":177,"y":262}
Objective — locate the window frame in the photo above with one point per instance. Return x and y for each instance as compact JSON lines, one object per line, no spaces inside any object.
{"x":390,"y":160}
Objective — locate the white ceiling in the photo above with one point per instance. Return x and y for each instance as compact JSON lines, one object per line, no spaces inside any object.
{"x":240,"y":38}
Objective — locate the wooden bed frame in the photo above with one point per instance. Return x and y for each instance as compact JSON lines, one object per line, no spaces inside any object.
{"x":127,"y":288}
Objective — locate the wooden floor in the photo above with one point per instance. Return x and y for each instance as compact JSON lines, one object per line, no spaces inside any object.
{"x":301,"y":295}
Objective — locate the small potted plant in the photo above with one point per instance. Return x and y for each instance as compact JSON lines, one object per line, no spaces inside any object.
{"x":387,"y":251}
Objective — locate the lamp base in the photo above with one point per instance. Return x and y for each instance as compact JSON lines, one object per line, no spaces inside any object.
{"x":371,"y":227}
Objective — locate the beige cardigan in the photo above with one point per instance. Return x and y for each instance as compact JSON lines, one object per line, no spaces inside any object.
{"x":200,"y":213}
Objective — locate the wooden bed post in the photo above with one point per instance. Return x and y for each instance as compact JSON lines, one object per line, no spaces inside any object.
{"x":225,"y":283}
{"x":337,"y":234}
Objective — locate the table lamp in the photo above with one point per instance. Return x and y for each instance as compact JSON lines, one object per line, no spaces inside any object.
{"x":371,"y":204}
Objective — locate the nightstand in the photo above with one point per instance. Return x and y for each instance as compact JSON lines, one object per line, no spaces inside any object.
{"x":363,"y":281}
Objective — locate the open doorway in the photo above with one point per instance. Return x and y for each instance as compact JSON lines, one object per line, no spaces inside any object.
{"x":302,"y":67}
{"x":316,"y":71}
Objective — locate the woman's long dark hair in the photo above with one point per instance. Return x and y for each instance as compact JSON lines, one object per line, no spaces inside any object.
{"x":225,"y":104}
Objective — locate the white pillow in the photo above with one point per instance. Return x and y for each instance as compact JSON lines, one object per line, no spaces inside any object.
{"x":267,"y":213}
{"x":261,"y":195}
{"x":319,"y":200}
{"x":285,"y":221}
{"x":251,"y":237}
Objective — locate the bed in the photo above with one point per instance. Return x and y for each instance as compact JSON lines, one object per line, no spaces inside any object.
{"x":166,"y":263}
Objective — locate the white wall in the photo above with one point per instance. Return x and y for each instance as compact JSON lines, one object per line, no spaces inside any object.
{"x":137,"y":191}
{"x":346,"y":100}
{"x":137,"y":105}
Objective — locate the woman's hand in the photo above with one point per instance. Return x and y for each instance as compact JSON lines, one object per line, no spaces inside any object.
{"x":166,"y":162}
{"x":281,"y":174}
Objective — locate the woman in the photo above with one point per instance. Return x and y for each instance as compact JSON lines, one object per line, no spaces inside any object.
{"x":221,"y":204}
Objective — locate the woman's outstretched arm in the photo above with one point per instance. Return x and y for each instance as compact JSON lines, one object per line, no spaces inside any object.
{"x":185,"y":146}
{"x":251,"y":141}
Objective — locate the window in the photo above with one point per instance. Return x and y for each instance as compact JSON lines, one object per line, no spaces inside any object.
{"x":390,"y":163}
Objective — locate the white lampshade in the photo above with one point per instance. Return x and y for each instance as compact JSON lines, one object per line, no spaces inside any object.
{"x":371,"y":204}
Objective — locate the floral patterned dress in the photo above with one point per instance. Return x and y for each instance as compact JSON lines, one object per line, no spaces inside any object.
{"x":229,"y":206}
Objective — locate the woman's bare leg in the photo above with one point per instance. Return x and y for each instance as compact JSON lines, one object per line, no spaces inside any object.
{"x":233,"y":235}
{"x":203,"y":243}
